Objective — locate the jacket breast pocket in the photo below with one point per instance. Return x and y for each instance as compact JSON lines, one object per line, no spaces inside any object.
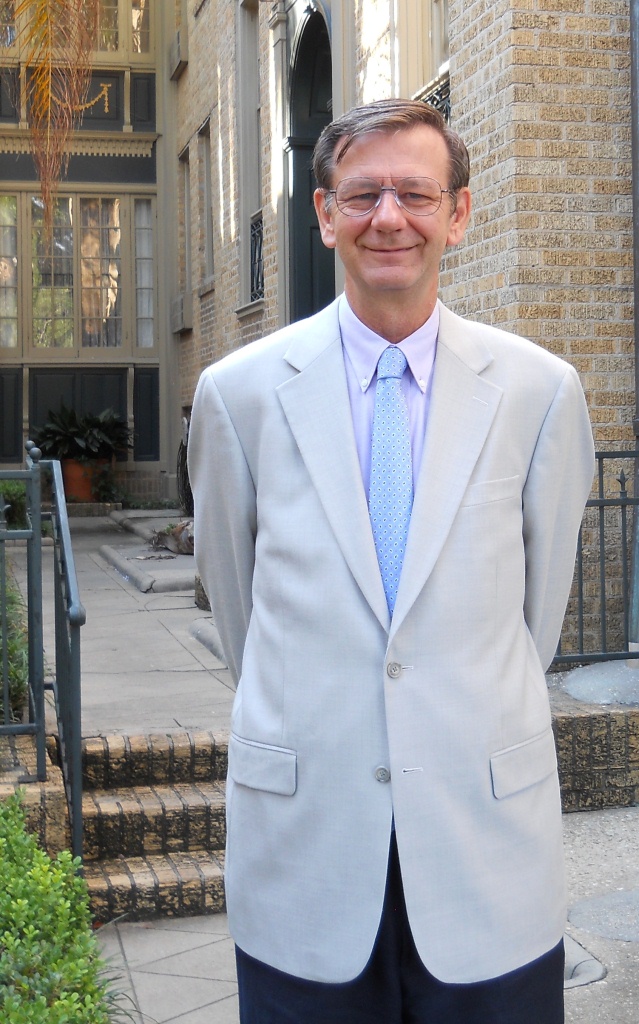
{"x":492,"y":490}
{"x":525,"y":764}
{"x":262,"y":766}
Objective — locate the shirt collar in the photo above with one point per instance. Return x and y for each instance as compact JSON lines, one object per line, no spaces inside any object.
{"x":363,"y":347}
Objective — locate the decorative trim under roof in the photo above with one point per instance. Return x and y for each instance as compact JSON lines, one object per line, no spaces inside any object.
{"x":14,"y":140}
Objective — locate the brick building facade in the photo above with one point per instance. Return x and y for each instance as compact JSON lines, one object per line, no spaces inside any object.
{"x":539,"y":89}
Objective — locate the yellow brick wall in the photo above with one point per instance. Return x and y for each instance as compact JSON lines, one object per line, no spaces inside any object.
{"x":540,"y":92}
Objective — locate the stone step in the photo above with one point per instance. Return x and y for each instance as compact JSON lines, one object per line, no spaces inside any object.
{"x":115,"y":761}
{"x":139,"y":888}
{"x":143,"y":820}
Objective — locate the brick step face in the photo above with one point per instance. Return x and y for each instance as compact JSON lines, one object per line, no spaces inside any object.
{"x":167,"y":885}
{"x":115,"y":761}
{"x":151,"y":820}
{"x":154,"y":824}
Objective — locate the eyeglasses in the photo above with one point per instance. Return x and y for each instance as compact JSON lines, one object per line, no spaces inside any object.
{"x":356,"y":197}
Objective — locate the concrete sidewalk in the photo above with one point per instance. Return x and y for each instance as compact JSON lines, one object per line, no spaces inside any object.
{"x":151,"y":663}
{"x":183,"y":971}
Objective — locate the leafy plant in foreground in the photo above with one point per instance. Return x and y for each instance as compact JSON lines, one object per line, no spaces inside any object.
{"x":51,"y":971}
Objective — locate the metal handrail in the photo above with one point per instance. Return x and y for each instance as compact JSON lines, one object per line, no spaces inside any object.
{"x":70,"y":616}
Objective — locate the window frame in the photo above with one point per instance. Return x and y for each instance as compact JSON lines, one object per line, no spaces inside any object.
{"x":129,"y":351}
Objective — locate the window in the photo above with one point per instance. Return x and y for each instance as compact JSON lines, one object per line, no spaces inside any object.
{"x":144,"y":274}
{"x":249,"y":129}
{"x":185,"y":269}
{"x":423,"y":38}
{"x":140,"y":25}
{"x":88,"y":290}
{"x":7,"y":23}
{"x":52,"y":277}
{"x":8,"y":272}
{"x":108,"y":40}
{"x":206,"y":213}
{"x":439,"y":38}
{"x":100,"y":273}
{"x":124,"y":25}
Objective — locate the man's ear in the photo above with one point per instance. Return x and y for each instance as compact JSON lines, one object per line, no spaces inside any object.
{"x":324,"y":218}
{"x":460,"y":217}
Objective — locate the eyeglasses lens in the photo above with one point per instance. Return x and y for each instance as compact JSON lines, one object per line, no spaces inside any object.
{"x":358,"y":196}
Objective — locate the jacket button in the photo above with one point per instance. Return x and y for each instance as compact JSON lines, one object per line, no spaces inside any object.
{"x":394,"y":669}
{"x":382,"y":774}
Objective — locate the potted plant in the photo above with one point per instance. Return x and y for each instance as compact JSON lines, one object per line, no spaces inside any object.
{"x":86,"y":445}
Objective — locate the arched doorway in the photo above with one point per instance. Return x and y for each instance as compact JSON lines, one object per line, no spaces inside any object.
{"x":312,"y":266}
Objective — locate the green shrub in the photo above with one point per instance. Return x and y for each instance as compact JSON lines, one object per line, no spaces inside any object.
{"x":51,"y":971}
{"x":17,"y":652}
{"x":14,"y":494}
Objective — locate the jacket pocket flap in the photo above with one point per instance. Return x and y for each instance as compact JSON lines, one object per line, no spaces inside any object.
{"x":261,"y":766}
{"x":485,"y":491}
{"x":523,"y":765}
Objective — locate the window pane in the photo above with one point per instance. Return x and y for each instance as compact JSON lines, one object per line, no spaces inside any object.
{"x":100,"y":270}
{"x":8,"y":272}
{"x":7,"y":23}
{"x":144,"y":274}
{"x":52,"y":276}
{"x":108,"y":36}
{"x":140,"y":15}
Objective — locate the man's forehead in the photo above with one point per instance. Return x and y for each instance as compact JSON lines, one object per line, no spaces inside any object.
{"x":364,"y":149}
{"x":346,"y":143}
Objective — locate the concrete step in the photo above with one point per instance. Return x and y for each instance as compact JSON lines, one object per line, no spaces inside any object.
{"x":171,"y":885}
{"x":116,"y":761}
{"x":153,"y":819}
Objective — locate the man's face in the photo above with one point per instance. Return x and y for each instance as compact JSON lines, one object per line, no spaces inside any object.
{"x":390,"y":255}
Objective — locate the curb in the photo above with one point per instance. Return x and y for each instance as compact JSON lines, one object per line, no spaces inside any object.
{"x":144,"y":581}
{"x":582,"y":968}
{"x":206,"y":632}
{"x":127,"y":520}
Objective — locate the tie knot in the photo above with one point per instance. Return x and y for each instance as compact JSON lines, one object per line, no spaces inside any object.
{"x":392,"y":363}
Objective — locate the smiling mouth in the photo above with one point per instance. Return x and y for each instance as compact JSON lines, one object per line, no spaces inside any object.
{"x":386,"y":252}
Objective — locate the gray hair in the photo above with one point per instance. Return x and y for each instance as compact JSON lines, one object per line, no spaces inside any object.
{"x":386,"y":116}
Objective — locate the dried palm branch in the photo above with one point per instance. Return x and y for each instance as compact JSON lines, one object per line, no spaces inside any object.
{"x":56,"y":40}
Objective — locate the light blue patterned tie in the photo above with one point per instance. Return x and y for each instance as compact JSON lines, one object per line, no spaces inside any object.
{"x":390,"y":496}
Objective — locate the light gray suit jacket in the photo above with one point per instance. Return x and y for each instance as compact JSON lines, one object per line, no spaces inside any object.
{"x":344,"y":718}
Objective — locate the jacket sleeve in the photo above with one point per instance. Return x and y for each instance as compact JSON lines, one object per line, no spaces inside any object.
{"x":225,"y":518}
{"x":556,"y":490}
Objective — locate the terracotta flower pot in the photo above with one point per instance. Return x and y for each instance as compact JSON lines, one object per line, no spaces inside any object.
{"x":78,"y":478}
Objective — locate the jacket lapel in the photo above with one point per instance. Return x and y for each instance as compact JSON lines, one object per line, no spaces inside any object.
{"x":317,"y":408}
{"x":316,"y":404}
{"x":463,"y":406}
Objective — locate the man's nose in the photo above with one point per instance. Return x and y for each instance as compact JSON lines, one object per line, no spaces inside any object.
{"x":388,"y":210}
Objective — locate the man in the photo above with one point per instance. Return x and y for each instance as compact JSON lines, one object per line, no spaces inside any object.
{"x":394,"y":833}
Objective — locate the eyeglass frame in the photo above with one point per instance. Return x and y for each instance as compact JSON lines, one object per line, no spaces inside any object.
{"x":452,"y":192}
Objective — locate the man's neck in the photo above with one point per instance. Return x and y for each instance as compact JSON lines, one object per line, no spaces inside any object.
{"x":391,"y":321}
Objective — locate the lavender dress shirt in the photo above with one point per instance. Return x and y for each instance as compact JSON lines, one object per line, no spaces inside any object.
{"x":362,"y":349}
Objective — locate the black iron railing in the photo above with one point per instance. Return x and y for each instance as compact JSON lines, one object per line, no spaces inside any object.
{"x":599,"y":620}
{"x":29,"y":533}
{"x":257,"y":258}
{"x":69,"y":617}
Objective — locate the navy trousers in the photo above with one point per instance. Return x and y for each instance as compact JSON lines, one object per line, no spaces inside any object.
{"x":396,"y":988}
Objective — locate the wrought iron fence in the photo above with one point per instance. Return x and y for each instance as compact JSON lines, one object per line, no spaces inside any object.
{"x":599,"y":621}
{"x":29,"y":532}
{"x":69,"y":617}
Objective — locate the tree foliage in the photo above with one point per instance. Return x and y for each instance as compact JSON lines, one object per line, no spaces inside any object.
{"x":56,"y":39}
